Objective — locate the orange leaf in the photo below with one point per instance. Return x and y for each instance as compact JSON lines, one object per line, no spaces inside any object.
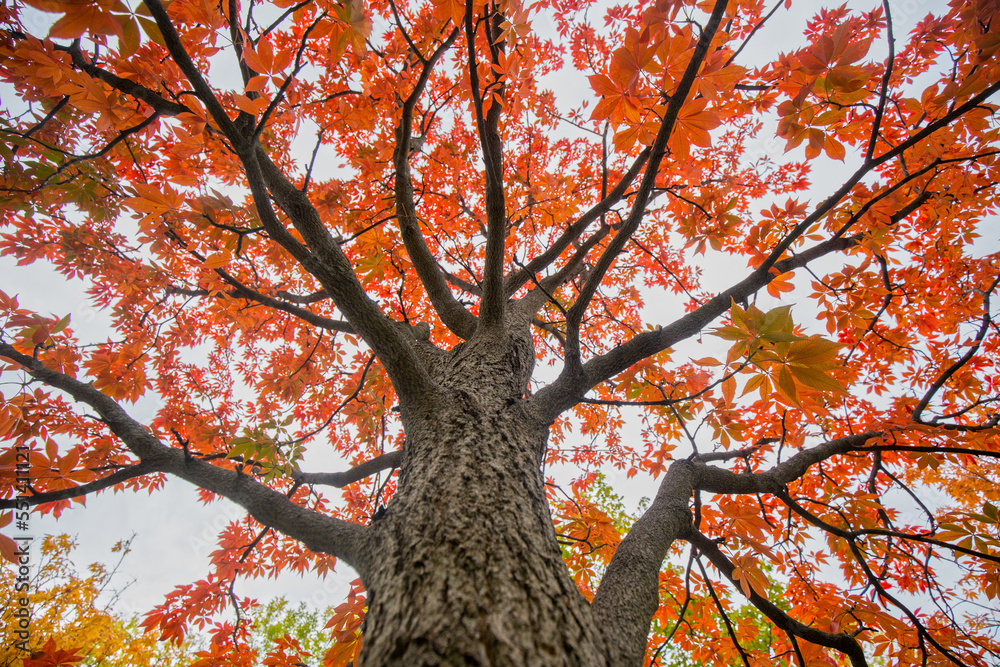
{"x":729,"y":390}
{"x":245,"y":104}
{"x":8,"y":549}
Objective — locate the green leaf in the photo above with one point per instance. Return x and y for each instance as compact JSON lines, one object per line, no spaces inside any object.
{"x":779,"y":337}
{"x":778,"y":319}
{"x":60,"y":325}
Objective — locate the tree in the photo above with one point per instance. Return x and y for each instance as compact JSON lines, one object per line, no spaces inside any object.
{"x":72,"y":625}
{"x":69,"y":621}
{"x":375,"y":230}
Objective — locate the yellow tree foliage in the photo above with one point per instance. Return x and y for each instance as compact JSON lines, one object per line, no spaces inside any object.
{"x":69,"y":618}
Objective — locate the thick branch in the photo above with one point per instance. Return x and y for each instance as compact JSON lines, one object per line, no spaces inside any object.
{"x":973,"y":346}
{"x":629,"y":592}
{"x":304,"y":299}
{"x":543,"y":292}
{"x":325,"y":260}
{"x":568,"y":390}
{"x":719,"y":480}
{"x":130,"y":88}
{"x":491,"y":310}
{"x":241,"y":291}
{"x":342,"y":539}
{"x":321,"y":255}
{"x":190,"y":70}
{"x":117,"y":477}
{"x":452,"y":313}
{"x":571,"y":386}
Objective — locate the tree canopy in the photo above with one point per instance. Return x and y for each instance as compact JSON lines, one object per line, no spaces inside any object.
{"x":483,"y":254}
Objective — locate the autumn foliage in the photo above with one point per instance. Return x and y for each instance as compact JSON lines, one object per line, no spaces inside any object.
{"x":766,"y":262}
{"x":71,"y":622}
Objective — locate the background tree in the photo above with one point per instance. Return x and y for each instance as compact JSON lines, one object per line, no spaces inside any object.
{"x":375,"y":230}
{"x":74,"y":621}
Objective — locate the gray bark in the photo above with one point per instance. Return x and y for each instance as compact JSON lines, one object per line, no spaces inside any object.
{"x":468,"y":570}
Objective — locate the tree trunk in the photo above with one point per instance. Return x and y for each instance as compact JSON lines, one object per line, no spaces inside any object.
{"x":467,"y":568}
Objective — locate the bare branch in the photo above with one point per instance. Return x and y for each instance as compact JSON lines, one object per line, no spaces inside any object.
{"x":722,"y":612}
{"x":963,"y":360}
{"x":830,"y":202}
{"x":241,"y":291}
{"x":872,"y":578}
{"x":760,"y":24}
{"x":884,"y":91}
{"x":542,"y":293}
{"x":357,"y":473}
{"x":521,"y":277}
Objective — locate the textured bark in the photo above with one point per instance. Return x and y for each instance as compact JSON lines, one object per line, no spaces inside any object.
{"x":469,"y":571}
{"x":630,"y":592}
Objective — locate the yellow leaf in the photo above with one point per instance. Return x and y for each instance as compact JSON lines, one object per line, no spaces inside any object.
{"x":786,"y":385}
